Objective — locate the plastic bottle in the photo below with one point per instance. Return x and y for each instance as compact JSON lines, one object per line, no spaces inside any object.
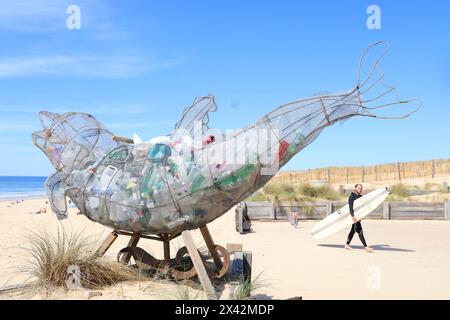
{"x":115,"y":209}
{"x":194,"y":178}
{"x":119,"y":154}
{"x":245,"y":171}
{"x":240,"y":175}
{"x":296,"y":144}
{"x":92,"y":202}
{"x":145,"y":188}
{"x":197,"y":183}
{"x":159,"y":152}
{"x":107,"y":176}
{"x":162,"y":197}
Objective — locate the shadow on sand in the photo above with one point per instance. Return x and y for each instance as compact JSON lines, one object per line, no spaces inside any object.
{"x":377,"y":247}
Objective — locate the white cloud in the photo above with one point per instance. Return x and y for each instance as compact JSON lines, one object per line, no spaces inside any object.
{"x":50,"y":15}
{"x":95,"y":65}
{"x":97,"y":16}
{"x":33,"y":15}
{"x":31,"y":8}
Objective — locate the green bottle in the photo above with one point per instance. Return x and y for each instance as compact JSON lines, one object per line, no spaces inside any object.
{"x":145,"y":191}
{"x":197,"y":183}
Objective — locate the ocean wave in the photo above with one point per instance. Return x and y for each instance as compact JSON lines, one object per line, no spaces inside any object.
{"x":22,"y":195}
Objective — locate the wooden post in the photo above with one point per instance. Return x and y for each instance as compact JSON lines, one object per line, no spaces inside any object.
{"x":239,"y":219}
{"x":134,"y":239}
{"x":386,"y":210}
{"x":329,"y":208}
{"x":347,"y":174}
{"x":433,"y":168}
{"x":107,"y":243}
{"x":166,"y":249}
{"x":273,"y":214}
{"x":376,"y":174}
{"x":247,"y":266}
{"x":328,"y":173}
{"x":199,"y":266}
{"x":423,"y":169}
{"x":399,"y":172}
{"x":447,"y":210}
{"x":362,"y":174}
{"x":211,"y":246}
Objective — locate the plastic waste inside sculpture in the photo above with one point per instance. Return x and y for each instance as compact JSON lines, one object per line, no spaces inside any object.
{"x":190,"y":177}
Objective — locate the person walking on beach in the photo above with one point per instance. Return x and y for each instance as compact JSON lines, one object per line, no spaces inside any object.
{"x":356,"y":227}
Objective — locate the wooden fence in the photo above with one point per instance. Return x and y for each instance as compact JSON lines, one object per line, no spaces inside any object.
{"x":396,"y":210}
{"x":386,"y":172}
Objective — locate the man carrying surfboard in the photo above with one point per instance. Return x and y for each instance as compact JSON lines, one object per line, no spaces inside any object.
{"x":356,"y":226}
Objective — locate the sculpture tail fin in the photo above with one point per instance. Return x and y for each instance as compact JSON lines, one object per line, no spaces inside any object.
{"x":373,"y":93}
{"x":298,"y":123}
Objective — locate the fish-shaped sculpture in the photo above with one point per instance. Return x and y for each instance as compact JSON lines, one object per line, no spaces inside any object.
{"x":193,"y":175}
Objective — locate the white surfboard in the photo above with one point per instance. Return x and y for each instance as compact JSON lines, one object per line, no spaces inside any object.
{"x":341,"y":218}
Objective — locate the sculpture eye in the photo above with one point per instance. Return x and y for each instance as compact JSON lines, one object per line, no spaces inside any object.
{"x":48,"y":133}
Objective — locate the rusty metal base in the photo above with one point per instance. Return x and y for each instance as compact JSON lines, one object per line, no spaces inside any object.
{"x":180,"y":267}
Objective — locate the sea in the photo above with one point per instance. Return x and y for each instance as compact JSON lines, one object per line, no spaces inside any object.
{"x":18,"y":188}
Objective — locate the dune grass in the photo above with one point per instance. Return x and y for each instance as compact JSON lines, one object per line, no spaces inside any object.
{"x":69,"y":260}
{"x":184,"y":292}
{"x":259,"y":196}
{"x":436,"y":187}
{"x":399,"y":192}
{"x":303,"y":193}
{"x":245,"y":288}
{"x":322,"y":192}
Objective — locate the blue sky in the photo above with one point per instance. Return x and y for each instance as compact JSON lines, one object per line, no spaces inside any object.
{"x":135,"y":65}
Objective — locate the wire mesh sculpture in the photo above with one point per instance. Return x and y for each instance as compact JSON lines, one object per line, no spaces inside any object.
{"x":193,"y":175}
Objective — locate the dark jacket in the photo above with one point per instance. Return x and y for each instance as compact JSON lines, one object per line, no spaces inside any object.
{"x":351,"y":199}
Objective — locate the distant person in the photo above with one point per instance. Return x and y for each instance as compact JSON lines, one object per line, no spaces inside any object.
{"x":293,"y":218}
{"x":356,"y":224}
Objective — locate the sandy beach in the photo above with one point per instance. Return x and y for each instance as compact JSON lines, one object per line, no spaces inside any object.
{"x":411,"y":259}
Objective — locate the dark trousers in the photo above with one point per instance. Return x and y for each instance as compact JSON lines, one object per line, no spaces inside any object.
{"x":356,"y":227}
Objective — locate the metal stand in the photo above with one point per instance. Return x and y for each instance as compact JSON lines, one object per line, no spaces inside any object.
{"x":182,"y":267}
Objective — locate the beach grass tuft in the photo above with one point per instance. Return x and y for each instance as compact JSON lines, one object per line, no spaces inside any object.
{"x":398,"y":192}
{"x":70,"y":260}
{"x":303,"y":193}
{"x":246,"y":287}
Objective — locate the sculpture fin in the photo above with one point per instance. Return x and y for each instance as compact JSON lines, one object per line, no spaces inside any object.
{"x":56,"y":192}
{"x":194,"y":121}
